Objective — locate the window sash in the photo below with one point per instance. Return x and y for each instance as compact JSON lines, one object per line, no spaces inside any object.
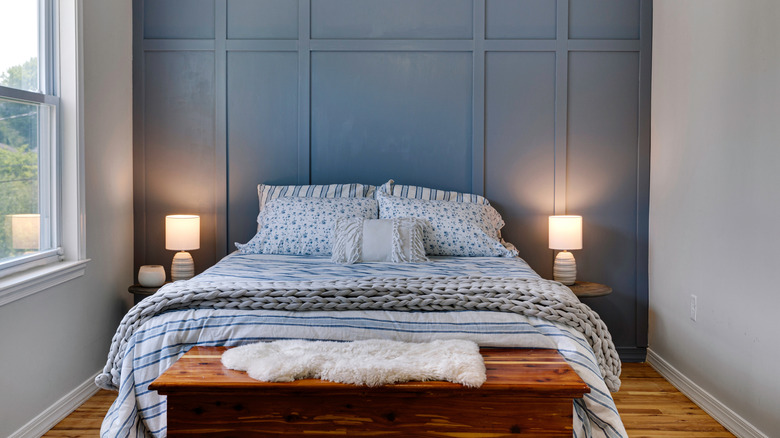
{"x":25,"y":96}
{"x":47,"y":103}
{"x":48,"y":190}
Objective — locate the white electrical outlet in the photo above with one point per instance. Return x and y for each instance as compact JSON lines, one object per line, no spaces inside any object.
{"x":693,"y":308}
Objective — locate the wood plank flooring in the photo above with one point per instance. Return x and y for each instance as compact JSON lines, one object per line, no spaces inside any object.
{"x":649,"y":405}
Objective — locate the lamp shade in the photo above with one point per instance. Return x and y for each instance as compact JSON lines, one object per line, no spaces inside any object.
{"x":182,"y":232}
{"x":566,"y":232}
{"x":25,"y":231}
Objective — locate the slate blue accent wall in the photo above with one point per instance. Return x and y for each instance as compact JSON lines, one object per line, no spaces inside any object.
{"x":394,"y":114}
{"x":541,"y":106}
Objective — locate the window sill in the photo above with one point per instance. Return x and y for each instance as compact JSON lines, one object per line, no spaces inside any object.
{"x":22,"y":284}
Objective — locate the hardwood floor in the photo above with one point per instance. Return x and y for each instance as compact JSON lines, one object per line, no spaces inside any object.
{"x":649,"y":405}
{"x":86,"y":420}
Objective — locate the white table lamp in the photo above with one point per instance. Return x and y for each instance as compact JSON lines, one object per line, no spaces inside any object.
{"x":26,"y":231}
{"x":182,"y":233}
{"x":565,"y":234}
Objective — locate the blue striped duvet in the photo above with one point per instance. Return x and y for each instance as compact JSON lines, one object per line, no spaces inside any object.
{"x":159,"y":342}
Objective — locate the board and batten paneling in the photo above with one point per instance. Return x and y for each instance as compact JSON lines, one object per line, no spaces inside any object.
{"x":602,"y":180}
{"x":262,"y":19}
{"x":354,"y":95}
{"x":263,"y":129}
{"x":399,"y":19}
{"x":179,"y":124}
{"x":512,"y":19}
{"x":519,"y":140}
{"x":540,"y":105}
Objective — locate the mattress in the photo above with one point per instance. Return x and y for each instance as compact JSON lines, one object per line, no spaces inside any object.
{"x":161,"y":340}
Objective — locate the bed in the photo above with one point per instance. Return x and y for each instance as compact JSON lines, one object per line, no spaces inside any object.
{"x":249,"y":297}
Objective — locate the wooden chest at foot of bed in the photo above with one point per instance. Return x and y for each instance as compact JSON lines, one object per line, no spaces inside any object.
{"x":527,"y":392}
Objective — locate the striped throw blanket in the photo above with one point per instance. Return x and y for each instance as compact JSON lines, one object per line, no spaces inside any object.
{"x":539,"y":298}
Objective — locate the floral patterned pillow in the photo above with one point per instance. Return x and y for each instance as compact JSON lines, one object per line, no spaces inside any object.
{"x":304,"y":226}
{"x":267,"y":193}
{"x":452,"y":228}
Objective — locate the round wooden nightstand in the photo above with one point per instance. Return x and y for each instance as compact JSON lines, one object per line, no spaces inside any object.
{"x":140,"y":292}
{"x":585,"y":289}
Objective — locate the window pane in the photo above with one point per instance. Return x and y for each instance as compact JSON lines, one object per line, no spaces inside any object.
{"x":19,"y":44}
{"x":19,"y":195}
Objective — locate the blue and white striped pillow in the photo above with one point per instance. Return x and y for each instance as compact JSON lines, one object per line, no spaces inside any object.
{"x":429,"y":194}
{"x":267,"y":193}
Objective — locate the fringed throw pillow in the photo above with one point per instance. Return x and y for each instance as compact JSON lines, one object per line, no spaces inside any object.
{"x":398,"y":240}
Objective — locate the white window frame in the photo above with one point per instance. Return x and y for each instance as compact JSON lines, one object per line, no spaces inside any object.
{"x":27,"y":275}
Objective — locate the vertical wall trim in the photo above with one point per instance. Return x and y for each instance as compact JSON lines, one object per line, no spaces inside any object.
{"x":643,"y":171}
{"x":478,"y":102}
{"x":220,"y":129}
{"x":561,"y":104}
{"x":304,"y":91}
{"x":139,"y":158}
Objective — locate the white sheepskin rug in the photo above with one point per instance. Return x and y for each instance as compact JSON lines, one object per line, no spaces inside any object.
{"x":372,"y":362}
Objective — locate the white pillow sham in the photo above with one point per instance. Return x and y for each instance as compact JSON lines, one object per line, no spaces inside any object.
{"x":452,"y":228}
{"x":359,"y":240}
{"x":304,"y":226}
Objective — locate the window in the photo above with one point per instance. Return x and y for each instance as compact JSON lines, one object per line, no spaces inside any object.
{"x":42,"y":227}
{"x":29,"y":177}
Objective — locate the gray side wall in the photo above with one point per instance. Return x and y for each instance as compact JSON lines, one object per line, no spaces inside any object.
{"x":53,"y":341}
{"x":714,"y":200}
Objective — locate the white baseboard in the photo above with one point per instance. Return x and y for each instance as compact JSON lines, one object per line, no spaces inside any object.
{"x":49,"y":418}
{"x":717,"y":410}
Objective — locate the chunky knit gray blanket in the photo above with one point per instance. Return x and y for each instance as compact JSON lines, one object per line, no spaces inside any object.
{"x":544,"y":299}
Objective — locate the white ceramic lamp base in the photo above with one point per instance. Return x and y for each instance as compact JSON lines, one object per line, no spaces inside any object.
{"x":183,"y":267}
{"x":565,"y":268}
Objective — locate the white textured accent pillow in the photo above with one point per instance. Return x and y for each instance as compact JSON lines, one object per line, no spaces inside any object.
{"x":304,"y":226}
{"x":398,"y":240}
{"x":451,"y":228}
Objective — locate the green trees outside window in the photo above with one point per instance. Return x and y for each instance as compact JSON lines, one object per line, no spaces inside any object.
{"x":19,"y":132}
